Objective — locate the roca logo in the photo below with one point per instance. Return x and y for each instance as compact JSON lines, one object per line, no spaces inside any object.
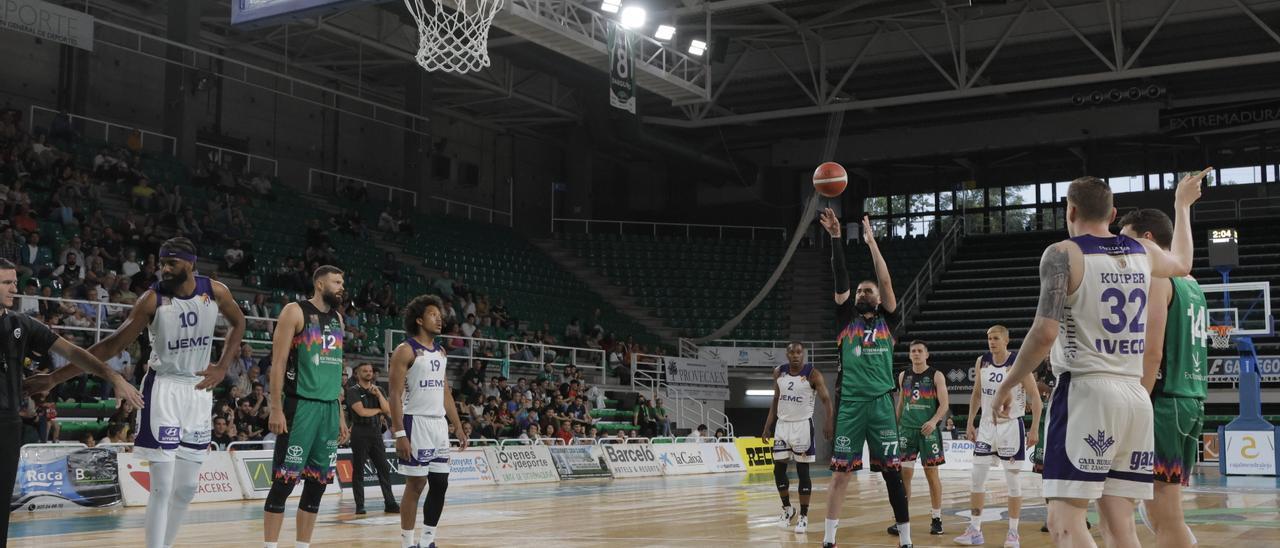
{"x":759,"y":456}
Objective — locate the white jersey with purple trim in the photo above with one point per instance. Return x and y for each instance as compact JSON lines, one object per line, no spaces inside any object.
{"x":181,"y":330}
{"x":795,"y":394}
{"x":993,"y":376}
{"x":424,"y":382}
{"x":1104,"y":328}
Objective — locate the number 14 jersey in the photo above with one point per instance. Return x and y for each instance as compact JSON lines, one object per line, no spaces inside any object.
{"x":1104,"y":325}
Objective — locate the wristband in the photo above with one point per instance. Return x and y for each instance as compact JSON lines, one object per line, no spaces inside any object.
{"x":399,"y":434}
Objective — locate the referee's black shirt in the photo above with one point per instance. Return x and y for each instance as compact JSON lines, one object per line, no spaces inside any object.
{"x":20,"y":335}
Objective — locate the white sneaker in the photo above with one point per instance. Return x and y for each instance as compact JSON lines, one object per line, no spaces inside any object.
{"x":971,"y":537}
{"x":802,"y":526}
{"x":784,"y":521}
{"x":1011,"y":541}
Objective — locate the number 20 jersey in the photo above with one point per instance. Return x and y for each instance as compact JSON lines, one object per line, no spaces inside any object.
{"x":1104,"y":324}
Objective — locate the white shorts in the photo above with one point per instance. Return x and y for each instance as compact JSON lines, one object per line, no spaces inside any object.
{"x":176,"y":420}
{"x":1099,"y":439}
{"x":1005,"y":441}
{"x":794,"y":438}
{"x":429,"y":438}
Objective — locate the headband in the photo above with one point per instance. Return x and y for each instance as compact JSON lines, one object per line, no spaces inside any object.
{"x":191,"y":258}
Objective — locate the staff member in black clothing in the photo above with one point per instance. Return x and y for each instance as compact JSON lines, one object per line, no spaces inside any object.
{"x":20,"y":336}
{"x":367,"y":405}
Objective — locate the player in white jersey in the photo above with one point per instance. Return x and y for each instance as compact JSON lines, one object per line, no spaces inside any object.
{"x":1003,"y":440}
{"x":181,"y":311}
{"x":421,"y":401}
{"x":1092,"y":314}
{"x":795,"y":386}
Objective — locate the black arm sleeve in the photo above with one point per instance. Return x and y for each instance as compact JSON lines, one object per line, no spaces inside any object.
{"x":839,"y":270}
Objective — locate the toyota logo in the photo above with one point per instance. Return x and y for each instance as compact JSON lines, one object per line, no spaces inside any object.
{"x":295,"y":451}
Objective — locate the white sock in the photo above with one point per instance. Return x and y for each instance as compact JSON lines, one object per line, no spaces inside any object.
{"x":936,"y":513}
{"x":157,"y":517}
{"x":1013,"y":525}
{"x":428,"y":536}
{"x":186,"y":475}
{"x":975,"y":521}
{"x":269,"y":545}
{"x":302,"y":544}
{"x":904,"y":533}
{"x":829,"y":530}
{"x":406,"y":539}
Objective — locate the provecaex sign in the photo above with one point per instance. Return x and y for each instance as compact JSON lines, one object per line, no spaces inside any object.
{"x":48,"y":22}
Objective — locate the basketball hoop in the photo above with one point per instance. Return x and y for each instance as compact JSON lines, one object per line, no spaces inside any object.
{"x":1220,"y":336}
{"x":455,"y":40}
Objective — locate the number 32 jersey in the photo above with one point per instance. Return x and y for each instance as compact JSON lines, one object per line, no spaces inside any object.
{"x":1104,"y":326}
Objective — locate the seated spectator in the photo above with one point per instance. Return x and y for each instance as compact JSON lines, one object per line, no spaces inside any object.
{"x":386,"y":221}
{"x":699,"y":434}
{"x":33,"y":258}
{"x":220,"y":437}
{"x":721,"y":433}
{"x":143,"y":195}
{"x":468,"y":327}
{"x":116,"y":433}
{"x":28,"y":303}
{"x":234,"y":259}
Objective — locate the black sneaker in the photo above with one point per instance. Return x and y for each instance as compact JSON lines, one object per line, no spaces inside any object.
{"x":893,"y":530}
{"x":906,"y":546}
{"x":828,"y":545}
{"x":1044,"y":528}
{"x":392,"y":508}
{"x":360,"y":511}
{"x":935,"y":526}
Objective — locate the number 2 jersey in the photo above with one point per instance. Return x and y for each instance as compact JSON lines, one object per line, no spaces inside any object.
{"x":1104,"y":324}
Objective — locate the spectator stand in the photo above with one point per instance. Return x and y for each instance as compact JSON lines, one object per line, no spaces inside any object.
{"x":320,"y":181}
{"x":110,"y":132}
{"x":447,"y":207}
{"x":237,"y":161}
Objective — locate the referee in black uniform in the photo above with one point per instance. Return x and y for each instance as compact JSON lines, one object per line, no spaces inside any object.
{"x":367,"y":406}
{"x":21,"y":336}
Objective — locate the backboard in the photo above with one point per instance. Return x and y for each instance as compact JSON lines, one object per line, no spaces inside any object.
{"x":1245,"y":306}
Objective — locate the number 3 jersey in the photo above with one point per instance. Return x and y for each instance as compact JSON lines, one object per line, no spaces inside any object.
{"x":181,"y":330}
{"x":314,"y":370}
{"x":1104,"y":324}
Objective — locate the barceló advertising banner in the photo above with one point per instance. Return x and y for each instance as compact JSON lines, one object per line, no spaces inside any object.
{"x":216,"y":481}
{"x":631,"y":460}
{"x":521,"y":464}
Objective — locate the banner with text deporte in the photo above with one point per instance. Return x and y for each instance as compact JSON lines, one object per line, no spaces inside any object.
{"x":521,"y":464}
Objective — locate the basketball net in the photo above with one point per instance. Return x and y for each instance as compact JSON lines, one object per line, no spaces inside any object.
{"x":1220,"y":336}
{"x":455,"y":40}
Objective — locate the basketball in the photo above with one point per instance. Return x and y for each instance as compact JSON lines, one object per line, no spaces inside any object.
{"x":830,"y":179}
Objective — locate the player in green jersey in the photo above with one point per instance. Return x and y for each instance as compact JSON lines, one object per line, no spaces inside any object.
{"x":305,"y":382}
{"x":922,"y":405}
{"x":1175,"y":371}
{"x":864,"y":382}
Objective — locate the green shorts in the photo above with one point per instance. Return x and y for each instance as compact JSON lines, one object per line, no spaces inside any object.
{"x":310,"y":448}
{"x":912,"y":444}
{"x":872,"y":422}
{"x":1178,"y":423}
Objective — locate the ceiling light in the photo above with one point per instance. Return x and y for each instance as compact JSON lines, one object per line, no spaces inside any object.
{"x":611,"y":6}
{"x":697,"y":47}
{"x":759,"y":392}
{"x":665,"y":32}
{"x":633,"y":17}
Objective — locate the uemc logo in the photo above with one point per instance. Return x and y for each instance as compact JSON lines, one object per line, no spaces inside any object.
{"x":759,"y":456}
{"x":189,"y":342}
{"x":431,"y":383}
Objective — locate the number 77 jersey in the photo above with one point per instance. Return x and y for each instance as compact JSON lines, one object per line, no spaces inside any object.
{"x":1104,"y":325}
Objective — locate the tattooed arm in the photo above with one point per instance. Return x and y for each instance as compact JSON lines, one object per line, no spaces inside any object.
{"x":1055,"y":286}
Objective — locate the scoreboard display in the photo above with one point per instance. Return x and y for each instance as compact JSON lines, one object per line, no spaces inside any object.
{"x":1224,"y":248}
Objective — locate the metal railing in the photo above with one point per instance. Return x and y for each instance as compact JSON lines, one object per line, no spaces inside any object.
{"x":330,"y":181}
{"x":111,"y":132}
{"x":687,"y":410}
{"x":910,"y":300}
{"x":250,"y":163}
{"x":594,"y":25}
{"x":688,"y":230}
{"x":589,"y":360}
{"x":1230,"y":210}
{"x":820,"y":353}
{"x":472,"y":212}
{"x":106,"y":317}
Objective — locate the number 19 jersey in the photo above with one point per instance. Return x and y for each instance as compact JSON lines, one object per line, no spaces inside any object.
{"x":1104,"y":328}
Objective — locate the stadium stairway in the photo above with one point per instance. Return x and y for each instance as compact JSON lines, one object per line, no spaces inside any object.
{"x":626,"y":304}
{"x":810,"y":303}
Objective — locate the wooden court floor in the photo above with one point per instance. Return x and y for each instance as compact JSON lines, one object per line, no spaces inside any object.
{"x":690,"y":511}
